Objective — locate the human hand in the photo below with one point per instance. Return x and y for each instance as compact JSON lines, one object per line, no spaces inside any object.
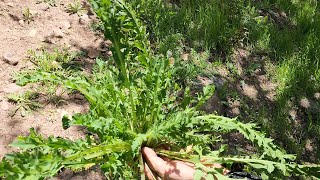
{"x":169,"y":169}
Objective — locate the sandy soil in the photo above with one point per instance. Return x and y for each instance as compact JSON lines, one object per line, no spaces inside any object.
{"x":52,"y":26}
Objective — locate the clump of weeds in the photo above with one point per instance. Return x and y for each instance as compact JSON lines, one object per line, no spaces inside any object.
{"x":27,"y":15}
{"x":50,"y":2}
{"x":59,"y":62}
{"x":75,"y":7}
{"x":26,"y":102}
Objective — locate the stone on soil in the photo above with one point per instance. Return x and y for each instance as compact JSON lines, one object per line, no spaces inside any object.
{"x":21,"y":22}
{"x":65,"y":25}
{"x":10,"y":58}
{"x":9,"y":4}
{"x":58,"y":33}
{"x":184,"y":57}
{"x":108,"y":43}
{"x":44,"y":6}
{"x":32,"y":33}
{"x":84,"y":19}
{"x":109,"y":53}
{"x":11,"y":88}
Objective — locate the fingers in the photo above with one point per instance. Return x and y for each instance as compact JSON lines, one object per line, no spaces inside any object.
{"x":150,"y":174}
{"x":154,"y":162}
{"x":174,"y":170}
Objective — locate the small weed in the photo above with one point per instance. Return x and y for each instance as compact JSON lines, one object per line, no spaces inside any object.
{"x":233,"y":70}
{"x":26,"y":102}
{"x":252,"y":68}
{"x":226,"y":92}
{"x":75,"y":7}
{"x":55,"y":61}
{"x":27,"y":15}
{"x":59,"y":62}
{"x":50,"y":2}
{"x":97,"y":26}
{"x":2,"y":12}
{"x":192,"y":65}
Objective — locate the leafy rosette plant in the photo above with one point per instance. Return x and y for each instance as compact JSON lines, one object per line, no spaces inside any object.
{"x":134,"y":102}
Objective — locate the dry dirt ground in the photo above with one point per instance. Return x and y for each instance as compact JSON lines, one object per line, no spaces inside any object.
{"x":52,"y":26}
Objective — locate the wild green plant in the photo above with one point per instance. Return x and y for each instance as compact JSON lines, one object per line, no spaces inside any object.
{"x":26,"y":102}
{"x":134,"y":102}
{"x":60,"y":62}
{"x":192,"y":66}
{"x":56,"y":60}
{"x":27,"y":15}
{"x":285,"y":31}
{"x":97,"y":26}
{"x":75,"y":7}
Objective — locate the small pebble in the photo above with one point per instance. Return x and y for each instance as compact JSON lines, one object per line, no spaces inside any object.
{"x":10,"y":4}
{"x":84,"y":19}
{"x":21,"y":22}
{"x":65,"y":25}
{"x":32,"y":33}
{"x":58,"y":33}
{"x":10,"y":58}
{"x":4,"y":105}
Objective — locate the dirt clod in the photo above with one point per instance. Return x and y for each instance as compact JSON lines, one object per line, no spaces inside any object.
{"x":184,"y":57}
{"x":57,"y":33}
{"x":44,"y":7}
{"x":10,"y":58}
{"x":9,"y":4}
{"x":65,"y":25}
{"x":4,"y":105}
{"x":32,"y":33}
{"x":11,"y":88}
{"x":304,"y":102}
{"x":93,"y":53}
{"x":84,"y":19}
{"x":21,"y":22}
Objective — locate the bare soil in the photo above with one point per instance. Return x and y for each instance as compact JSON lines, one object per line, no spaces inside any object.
{"x":50,"y":27}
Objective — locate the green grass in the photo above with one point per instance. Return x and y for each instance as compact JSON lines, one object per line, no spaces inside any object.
{"x":97,"y":26}
{"x":286,"y":33}
{"x":203,"y":24}
{"x":297,"y":54}
{"x":292,"y":45}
